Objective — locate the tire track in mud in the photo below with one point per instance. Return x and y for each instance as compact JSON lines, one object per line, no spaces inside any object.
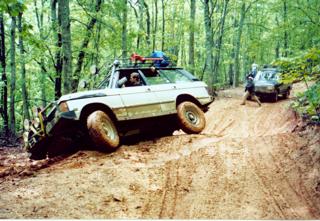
{"x":246,"y":165}
{"x":164,"y":205}
{"x":235,"y":173}
{"x":288,"y":200}
{"x":169,"y":195}
{"x":199,"y":200}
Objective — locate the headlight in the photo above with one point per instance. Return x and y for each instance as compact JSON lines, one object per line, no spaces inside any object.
{"x":63,"y":107}
{"x":26,"y":125}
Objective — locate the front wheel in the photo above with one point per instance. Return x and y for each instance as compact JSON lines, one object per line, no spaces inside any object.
{"x":102,"y":131}
{"x":191,"y":118}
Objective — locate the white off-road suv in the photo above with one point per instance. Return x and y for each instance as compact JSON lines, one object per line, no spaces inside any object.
{"x":166,"y":99}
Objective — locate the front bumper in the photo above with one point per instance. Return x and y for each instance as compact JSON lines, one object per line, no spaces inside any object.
{"x":51,"y":122}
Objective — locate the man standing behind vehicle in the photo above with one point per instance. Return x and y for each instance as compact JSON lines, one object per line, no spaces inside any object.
{"x":249,"y":90}
{"x":254,"y":69}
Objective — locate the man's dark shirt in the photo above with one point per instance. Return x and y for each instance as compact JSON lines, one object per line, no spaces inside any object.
{"x":250,"y":84}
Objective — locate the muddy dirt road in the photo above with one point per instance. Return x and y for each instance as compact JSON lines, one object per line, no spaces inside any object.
{"x":249,"y":163}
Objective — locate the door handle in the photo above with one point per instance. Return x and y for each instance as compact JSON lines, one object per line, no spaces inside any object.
{"x":148,"y":89}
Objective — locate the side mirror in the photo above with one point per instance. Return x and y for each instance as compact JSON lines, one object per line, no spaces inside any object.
{"x":83,"y":84}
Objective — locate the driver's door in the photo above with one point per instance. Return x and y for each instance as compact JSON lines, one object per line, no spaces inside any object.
{"x":139,"y":101}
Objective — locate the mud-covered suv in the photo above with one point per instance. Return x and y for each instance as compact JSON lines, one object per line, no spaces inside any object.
{"x":167,"y":99}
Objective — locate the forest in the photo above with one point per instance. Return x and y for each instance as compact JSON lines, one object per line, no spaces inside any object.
{"x":48,"y":46}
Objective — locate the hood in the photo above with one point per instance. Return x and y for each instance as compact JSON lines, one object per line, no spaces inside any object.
{"x":82,"y":95}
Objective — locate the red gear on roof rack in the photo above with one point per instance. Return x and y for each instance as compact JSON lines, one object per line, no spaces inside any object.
{"x":135,"y":57}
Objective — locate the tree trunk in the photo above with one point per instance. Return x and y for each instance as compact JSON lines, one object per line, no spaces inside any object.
{"x":285,"y":20}
{"x":42,"y":63}
{"x":236,"y":71}
{"x":140,"y":26}
{"x":219,"y":39}
{"x":58,"y":44}
{"x":4,"y":89}
{"x":139,"y":23}
{"x":84,"y":45}
{"x":148,"y":22}
{"x":232,"y":54}
{"x":277,"y":49}
{"x":208,"y":44}
{"x":23,"y":71}
{"x":155,"y":28}
{"x":97,"y":45}
{"x":124,"y":30}
{"x":64,"y":15}
{"x":12,"y":118}
{"x":191,"y":35}
{"x":163,"y":26}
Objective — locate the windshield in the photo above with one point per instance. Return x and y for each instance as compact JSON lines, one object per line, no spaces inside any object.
{"x":267,"y":75}
{"x":104,"y":83}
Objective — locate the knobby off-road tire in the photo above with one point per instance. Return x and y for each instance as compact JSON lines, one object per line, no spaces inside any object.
{"x":102,"y":131}
{"x":191,"y":118}
{"x":275,"y":96}
{"x":287,"y":94}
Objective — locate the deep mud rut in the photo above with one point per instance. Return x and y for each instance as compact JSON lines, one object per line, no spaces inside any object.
{"x":249,"y":163}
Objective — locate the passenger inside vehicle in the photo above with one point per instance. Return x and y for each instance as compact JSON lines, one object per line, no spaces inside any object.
{"x":129,"y":78}
{"x":134,"y":80}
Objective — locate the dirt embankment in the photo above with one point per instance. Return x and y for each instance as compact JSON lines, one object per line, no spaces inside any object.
{"x":249,"y":163}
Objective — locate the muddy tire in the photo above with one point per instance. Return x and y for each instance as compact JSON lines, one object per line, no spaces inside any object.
{"x":39,"y":150}
{"x":275,"y":96}
{"x":287,"y":94}
{"x":191,"y":118}
{"x":102,"y":131}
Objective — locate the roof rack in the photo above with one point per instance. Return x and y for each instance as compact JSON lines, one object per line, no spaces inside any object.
{"x":139,"y":61}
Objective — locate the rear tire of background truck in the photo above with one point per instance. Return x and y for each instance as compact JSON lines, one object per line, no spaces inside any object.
{"x":102,"y":131}
{"x":287,"y":94}
{"x":275,"y":96}
{"x":191,"y":118}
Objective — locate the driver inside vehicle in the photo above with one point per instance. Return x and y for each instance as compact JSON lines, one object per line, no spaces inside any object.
{"x":134,"y":79}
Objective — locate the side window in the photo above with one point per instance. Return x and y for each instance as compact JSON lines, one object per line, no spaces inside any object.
{"x":159,"y":79}
{"x":129,"y":78}
{"x":175,"y":76}
{"x":154,"y":78}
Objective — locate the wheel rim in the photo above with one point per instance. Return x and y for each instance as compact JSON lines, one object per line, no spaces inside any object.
{"x":108,"y":129}
{"x":192,"y":117}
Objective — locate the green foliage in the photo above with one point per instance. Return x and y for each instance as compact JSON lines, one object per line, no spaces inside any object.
{"x":304,"y":67}
{"x":307,"y":104}
{"x":12,"y":7}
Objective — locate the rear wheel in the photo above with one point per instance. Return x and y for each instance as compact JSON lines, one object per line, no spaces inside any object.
{"x":275,"y":96}
{"x":191,"y":118}
{"x":287,"y":94}
{"x":102,"y":131}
